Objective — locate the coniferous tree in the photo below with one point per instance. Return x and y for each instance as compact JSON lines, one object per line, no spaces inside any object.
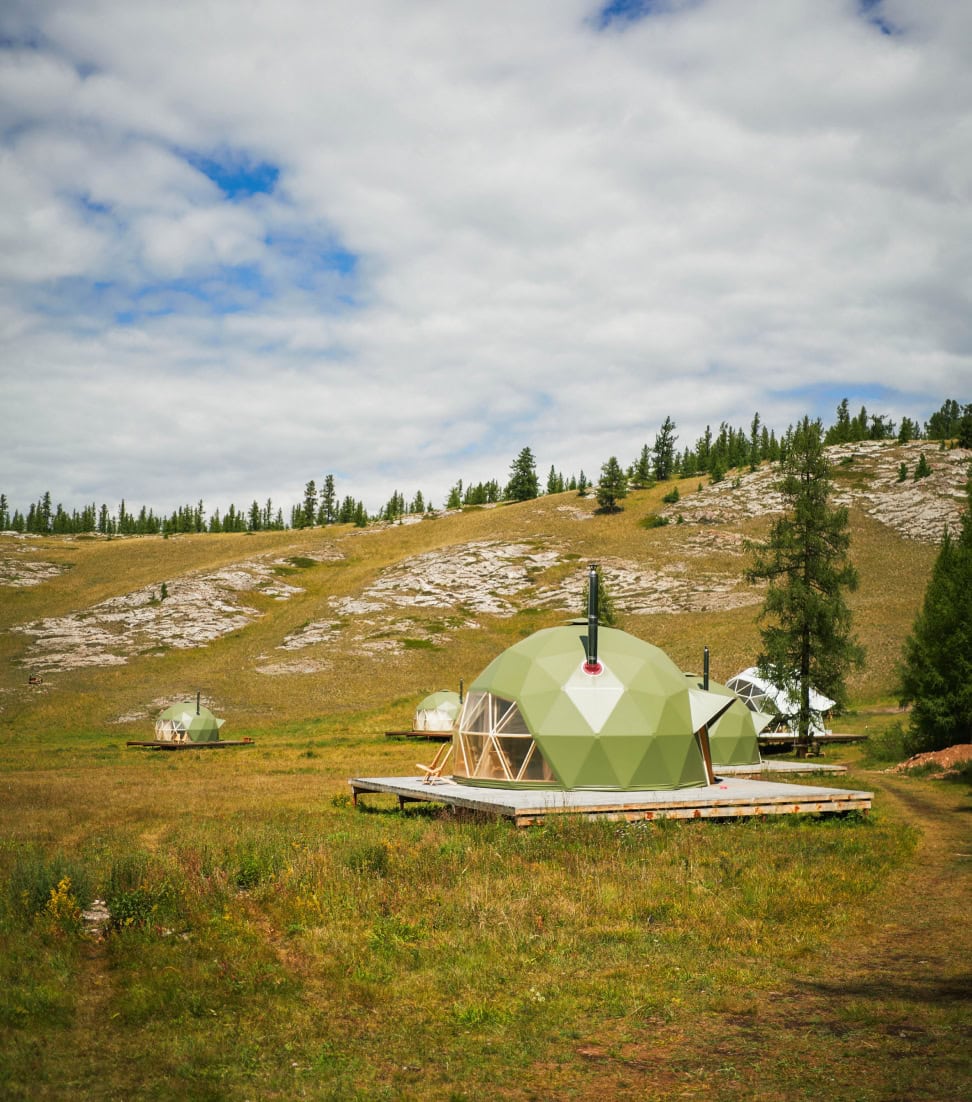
{"x":807,"y":640}
{"x":612,"y":487}
{"x":944,"y":423}
{"x":754,"y":436}
{"x":840,"y":432}
{"x":309,"y":509}
{"x":922,"y":469}
{"x":641,"y":474}
{"x":523,"y":484}
{"x":328,"y":507}
{"x":936,"y":671}
{"x":663,"y":450}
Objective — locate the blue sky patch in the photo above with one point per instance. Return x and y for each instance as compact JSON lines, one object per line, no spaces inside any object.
{"x":621,"y":12}
{"x":872,"y":11}
{"x":237,"y":176}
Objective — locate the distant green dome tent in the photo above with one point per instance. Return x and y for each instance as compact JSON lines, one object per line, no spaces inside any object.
{"x":438,"y":712}
{"x":734,"y":736}
{"x":187,"y":721}
{"x":543,"y":714}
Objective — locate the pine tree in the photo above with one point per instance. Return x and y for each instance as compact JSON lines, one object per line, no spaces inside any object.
{"x":523,"y":484}
{"x":642,"y":468}
{"x":808,"y":638}
{"x":840,"y":432}
{"x":936,"y":672}
{"x":612,"y":487}
{"x":309,"y":510}
{"x":328,"y":509}
{"x":922,"y":470}
{"x":754,"y":433}
{"x":663,"y":450}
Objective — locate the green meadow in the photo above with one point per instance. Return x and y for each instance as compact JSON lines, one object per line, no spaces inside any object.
{"x":265,"y":939}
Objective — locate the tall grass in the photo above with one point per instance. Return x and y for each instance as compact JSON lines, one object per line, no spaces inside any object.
{"x":337,"y":950}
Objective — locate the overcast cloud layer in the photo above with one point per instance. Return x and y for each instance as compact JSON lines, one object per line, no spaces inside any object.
{"x":245,"y":245}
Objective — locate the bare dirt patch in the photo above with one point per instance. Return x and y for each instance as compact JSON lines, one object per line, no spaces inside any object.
{"x":949,"y":761}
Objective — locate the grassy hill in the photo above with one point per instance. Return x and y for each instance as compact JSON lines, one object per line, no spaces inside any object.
{"x":266,"y":940}
{"x":283,"y":627}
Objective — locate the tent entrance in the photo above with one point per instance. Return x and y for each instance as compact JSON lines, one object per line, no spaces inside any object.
{"x":494,"y":744}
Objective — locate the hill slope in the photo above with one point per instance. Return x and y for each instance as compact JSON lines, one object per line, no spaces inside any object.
{"x":283,"y":626}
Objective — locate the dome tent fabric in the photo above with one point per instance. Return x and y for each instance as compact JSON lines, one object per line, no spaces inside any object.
{"x":761,"y":695}
{"x":734,"y":736}
{"x":437,"y":712}
{"x":187,"y":721}
{"x":540,"y":715}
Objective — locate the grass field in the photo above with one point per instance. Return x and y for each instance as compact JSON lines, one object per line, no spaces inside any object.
{"x":267,"y":940}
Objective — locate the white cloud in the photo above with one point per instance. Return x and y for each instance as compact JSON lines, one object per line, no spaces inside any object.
{"x":560,"y":235}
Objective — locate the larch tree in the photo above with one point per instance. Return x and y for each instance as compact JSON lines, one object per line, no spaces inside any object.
{"x":936,"y":671}
{"x":806,"y":633}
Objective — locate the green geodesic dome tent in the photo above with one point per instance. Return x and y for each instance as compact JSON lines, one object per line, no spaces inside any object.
{"x":734,"y":736}
{"x":543,"y":714}
{"x":437,"y":712}
{"x":187,"y":721}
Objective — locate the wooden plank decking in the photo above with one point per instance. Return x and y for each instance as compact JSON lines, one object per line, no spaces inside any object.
{"x":728,"y":798}
{"x":425,"y":736}
{"x":152,"y":744}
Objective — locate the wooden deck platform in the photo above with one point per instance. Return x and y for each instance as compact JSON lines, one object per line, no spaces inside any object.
{"x":728,"y":798}
{"x":423,"y":736}
{"x":769,"y":766}
{"x":151,"y":744}
{"x":779,"y":739}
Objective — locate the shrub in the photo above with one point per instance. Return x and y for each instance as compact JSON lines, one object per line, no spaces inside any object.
{"x":653,"y":520}
{"x":35,"y":880}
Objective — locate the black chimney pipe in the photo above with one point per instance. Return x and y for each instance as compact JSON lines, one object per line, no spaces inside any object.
{"x":460,"y":690}
{"x":592,"y":664}
{"x":197,"y":703}
{"x":705,"y":669}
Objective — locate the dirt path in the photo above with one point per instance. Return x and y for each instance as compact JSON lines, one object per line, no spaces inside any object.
{"x":885,"y":1013}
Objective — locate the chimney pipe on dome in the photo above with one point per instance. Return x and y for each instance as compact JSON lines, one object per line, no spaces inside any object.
{"x":592,"y":665}
{"x":705,"y":669}
{"x":197,"y":703}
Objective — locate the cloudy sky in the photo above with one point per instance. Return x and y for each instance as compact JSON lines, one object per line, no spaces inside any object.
{"x":243,"y":245}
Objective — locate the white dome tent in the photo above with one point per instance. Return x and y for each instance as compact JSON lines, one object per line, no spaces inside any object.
{"x":761,"y":695}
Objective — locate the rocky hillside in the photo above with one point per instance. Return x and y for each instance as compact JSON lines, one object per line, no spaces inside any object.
{"x":293,"y":622}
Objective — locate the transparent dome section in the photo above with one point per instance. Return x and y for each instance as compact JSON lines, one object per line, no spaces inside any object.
{"x":493,"y":744}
